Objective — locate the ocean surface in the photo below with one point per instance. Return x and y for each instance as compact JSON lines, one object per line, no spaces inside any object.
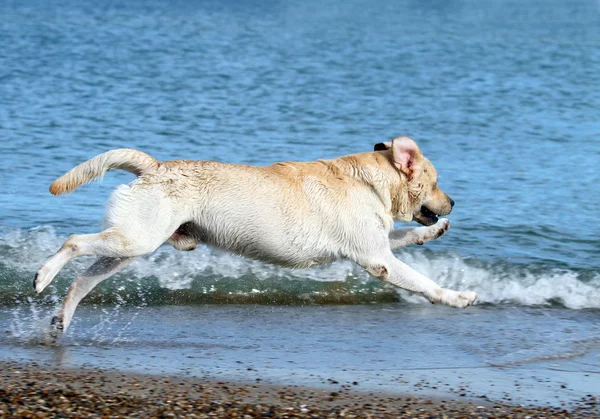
{"x":501,"y":96}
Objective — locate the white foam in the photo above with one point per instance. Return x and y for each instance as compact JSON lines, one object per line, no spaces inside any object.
{"x":177,"y":270}
{"x":495,"y":282}
{"x":28,"y":249}
{"x":518,"y":286}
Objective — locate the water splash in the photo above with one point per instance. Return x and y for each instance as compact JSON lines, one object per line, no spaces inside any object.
{"x":208,"y":275}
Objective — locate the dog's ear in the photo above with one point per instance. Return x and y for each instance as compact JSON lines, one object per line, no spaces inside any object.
{"x":382,"y":146}
{"x":406,"y":155}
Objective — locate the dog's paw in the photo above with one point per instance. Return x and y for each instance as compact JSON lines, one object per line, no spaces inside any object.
{"x":458,"y":299}
{"x":42,"y":279}
{"x":57,"y":327}
{"x":466,"y":299}
{"x":425,"y":234}
{"x":441,"y":227}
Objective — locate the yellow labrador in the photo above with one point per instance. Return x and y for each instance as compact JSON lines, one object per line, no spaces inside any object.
{"x":291,"y":214}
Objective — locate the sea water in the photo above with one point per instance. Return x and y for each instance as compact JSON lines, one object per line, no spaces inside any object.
{"x":501,"y":96}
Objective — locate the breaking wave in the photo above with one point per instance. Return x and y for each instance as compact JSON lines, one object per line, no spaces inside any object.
{"x":207,"y":275}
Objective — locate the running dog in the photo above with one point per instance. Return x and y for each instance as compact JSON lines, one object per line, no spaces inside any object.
{"x":294,"y":214}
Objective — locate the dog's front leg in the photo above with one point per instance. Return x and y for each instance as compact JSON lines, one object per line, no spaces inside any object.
{"x":418,"y":235}
{"x":390,"y":269}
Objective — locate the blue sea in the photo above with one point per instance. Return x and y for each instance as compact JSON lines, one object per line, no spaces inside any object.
{"x":502,"y":96}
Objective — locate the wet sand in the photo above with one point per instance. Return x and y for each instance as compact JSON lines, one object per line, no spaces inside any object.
{"x":37,"y":390}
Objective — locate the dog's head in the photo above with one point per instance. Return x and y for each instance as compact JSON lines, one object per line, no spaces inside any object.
{"x":419,"y":197}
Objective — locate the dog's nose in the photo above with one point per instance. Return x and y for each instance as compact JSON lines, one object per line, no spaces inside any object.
{"x":451,"y":202}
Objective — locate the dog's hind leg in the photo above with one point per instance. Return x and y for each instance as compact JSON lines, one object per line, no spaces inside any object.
{"x":46,"y":273}
{"x":140,"y":217}
{"x":418,"y":235}
{"x":112,"y":242}
{"x":101,"y":269}
{"x":184,"y":238}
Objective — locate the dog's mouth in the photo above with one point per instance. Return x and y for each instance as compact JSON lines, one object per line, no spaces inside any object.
{"x":425,"y":216}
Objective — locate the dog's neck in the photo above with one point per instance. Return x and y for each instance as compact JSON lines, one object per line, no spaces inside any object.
{"x":376,"y":170}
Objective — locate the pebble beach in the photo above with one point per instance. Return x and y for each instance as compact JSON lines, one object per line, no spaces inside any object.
{"x":43,"y":391}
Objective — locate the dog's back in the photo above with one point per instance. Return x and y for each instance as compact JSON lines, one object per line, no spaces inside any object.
{"x":292,"y":214}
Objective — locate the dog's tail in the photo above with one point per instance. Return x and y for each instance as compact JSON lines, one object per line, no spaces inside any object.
{"x":133,"y":161}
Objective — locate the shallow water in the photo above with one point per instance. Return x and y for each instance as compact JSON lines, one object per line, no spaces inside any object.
{"x":513,"y":353}
{"x":501,"y":96}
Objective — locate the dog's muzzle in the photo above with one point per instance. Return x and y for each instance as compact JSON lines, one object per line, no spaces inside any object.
{"x":425,"y":216}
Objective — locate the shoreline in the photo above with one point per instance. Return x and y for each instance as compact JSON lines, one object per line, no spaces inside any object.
{"x":44,"y":390}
